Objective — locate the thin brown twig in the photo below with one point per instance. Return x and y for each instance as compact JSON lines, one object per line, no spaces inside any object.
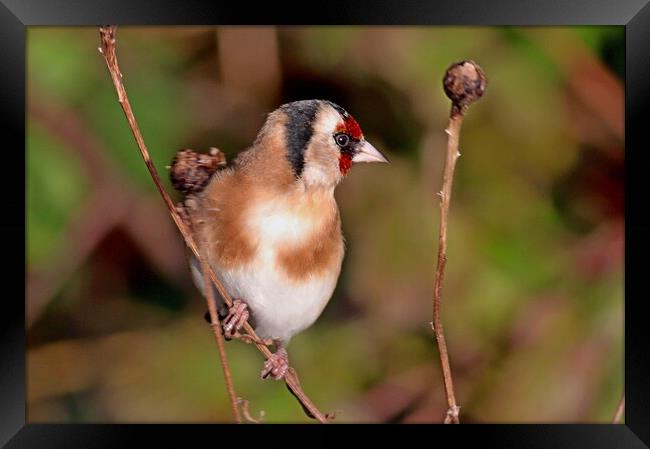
{"x":216,"y":324}
{"x":216,"y":327}
{"x":108,"y":50}
{"x":246,"y":411}
{"x":453,"y":130}
{"x":620,"y":411}
{"x":464,"y":83}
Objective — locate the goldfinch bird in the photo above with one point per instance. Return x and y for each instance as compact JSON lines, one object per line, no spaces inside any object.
{"x":271,"y":226}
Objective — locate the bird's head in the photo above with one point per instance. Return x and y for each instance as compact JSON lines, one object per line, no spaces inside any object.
{"x":321,"y":141}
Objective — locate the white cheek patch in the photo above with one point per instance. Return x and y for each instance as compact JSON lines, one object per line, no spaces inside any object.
{"x":318,"y":176}
{"x":327,"y":121}
{"x":322,"y":155}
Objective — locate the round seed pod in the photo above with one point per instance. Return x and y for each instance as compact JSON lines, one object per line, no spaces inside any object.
{"x":464,"y":83}
{"x":190,"y":171}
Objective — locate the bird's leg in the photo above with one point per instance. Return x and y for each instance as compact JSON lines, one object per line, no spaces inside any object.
{"x":237,"y":315}
{"x":277,"y":364}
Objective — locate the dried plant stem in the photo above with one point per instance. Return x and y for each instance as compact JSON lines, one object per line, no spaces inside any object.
{"x":464,"y":83}
{"x":108,"y":50}
{"x":216,"y":329}
{"x":453,"y":131}
{"x":620,"y":411}
{"x":247,"y":414}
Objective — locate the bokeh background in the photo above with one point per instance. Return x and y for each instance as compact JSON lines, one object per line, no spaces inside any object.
{"x":533,"y":297}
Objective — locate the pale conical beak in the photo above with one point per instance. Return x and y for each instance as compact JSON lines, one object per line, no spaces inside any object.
{"x":367,"y":153}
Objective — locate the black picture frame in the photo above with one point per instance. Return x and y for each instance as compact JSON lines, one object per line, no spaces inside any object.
{"x":16,"y":15}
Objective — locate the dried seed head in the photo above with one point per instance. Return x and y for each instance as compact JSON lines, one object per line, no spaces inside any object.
{"x":464,"y":83}
{"x":190,"y":171}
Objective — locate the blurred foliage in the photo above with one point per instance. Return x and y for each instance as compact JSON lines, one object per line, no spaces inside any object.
{"x":533,"y":297}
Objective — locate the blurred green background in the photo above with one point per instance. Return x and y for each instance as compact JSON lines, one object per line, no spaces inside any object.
{"x":533,"y":297}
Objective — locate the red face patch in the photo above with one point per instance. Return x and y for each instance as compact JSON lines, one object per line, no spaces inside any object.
{"x":345,"y":162}
{"x":350,"y":127}
{"x":353,"y":128}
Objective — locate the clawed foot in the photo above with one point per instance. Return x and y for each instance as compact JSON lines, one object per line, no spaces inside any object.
{"x":237,"y":315}
{"x":231,"y":324}
{"x":276,"y":365}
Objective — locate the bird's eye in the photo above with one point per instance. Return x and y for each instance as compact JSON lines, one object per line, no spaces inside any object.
{"x":342,"y":140}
